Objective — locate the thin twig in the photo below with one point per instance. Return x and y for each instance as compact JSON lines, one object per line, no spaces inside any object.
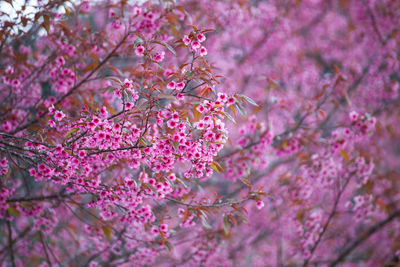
{"x":215,"y":205}
{"x":41,"y":198}
{"x":45,"y":249}
{"x":325,"y":227}
{"x":10,"y":244}
{"x":115,"y":149}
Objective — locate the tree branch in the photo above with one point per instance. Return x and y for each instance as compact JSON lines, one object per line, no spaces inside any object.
{"x":40,"y":198}
{"x":364,"y":237}
{"x":10,"y":244}
{"x":331,"y":215}
{"x":215,"y":205}
{"x":75,"y":87}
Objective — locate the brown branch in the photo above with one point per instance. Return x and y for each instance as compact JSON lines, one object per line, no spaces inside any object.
{"x":331,"y":215}
{"x":25,"y":139}
{"x":51,"y":252}
{"x":77,"y":138}
{"x":44,"y":248}
{"x":215,"y":205}
{"x":116,"y":149}
{"x":40,"y":198}
{"x":364,"y":237}
{"x":374,"y":23}
{"x":10,"y":244}
{"x":23,"y":127}
{"x":229,"y":154}
{"x":21,"y":235}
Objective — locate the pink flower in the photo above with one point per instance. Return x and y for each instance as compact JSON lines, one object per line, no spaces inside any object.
{"x":180,"y":86}
{"x":137,"y":11}
{"x":59,"y":115}
{"x":186,"y":40}
{"x":9,"y":70}
{"x":200,"y":125}
{"x":231,"y":101}
{"x":222,"y":97}
{"x":372,"y":121}
{"x":171,"y":85}
{"x":139,"y":50}
{"x":3,"y":162}
{"x":117,"y":93}
{"x":154,"y":231}
{"x":85,"y":7}
{"x":164,"y":227}
{"x":168,"y":72}
{"x":196,"y":45}
{"x":259,"y":204}
{"x":203,"y":51}
{"x":200,"y":37}
{"x":175,"y":117}
{"x":32,"y":172}
{"x":15,"y":83}
{"x":135,"y":96}
{"x":111,"y":13}
{"x":128,"y":105}
{"x":128,"y":83}
{"x":171,"y":124}
{"x":172,"y":177}
{"x":200,"y":108}
{"x":51,"y":123}
{"x":7,"y":126}
{"x":51,"y":109}
{"x":103,"y":111}
{"x":207,"y":119}
{"x":158,"y":57}
{"x":60,"y":61}
{"x":82,"y":154}
{"x":353,"y":116}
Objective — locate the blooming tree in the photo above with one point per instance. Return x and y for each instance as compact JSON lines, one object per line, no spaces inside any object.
{"x":200,"y":133}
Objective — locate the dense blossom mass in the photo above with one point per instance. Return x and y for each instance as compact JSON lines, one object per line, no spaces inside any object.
{"x":199,"y":133}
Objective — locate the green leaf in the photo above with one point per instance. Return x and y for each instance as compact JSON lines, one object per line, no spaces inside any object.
{"x":205,"y":223}
{"x":246,"y":182}
{"x":169,"y":246}
{"x":175,"y":145}
{"x":170,"y":48}
{"x":107,"y":231}
{"x":233,"y":109}
{"x":138,"y":41}
{"x":138,"y":34}
{"x":344,"y":154}
{"x":217,"y":116}
{"x":248,"y":99}
{"x":70,"y":132}
{"x":242,"y":111}
{"x":214,"y":167}
{"x":145,"y":141}
{"x":166,"y":96}
{"x":194,"y":27}
{"x":227,"y":225}
{"x":181,"y":182}
{"x":46,"y":23}
{"x":228,"y":116}
{"x":13,"y":211}
{"x":115,"y":79}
